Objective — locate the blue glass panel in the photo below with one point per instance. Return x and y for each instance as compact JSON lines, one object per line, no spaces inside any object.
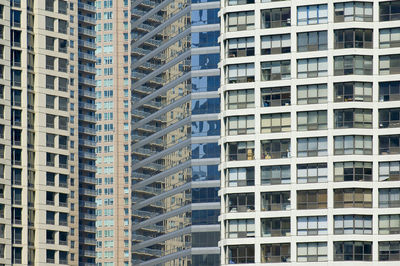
{"x":204,"y":17}
{"x":208,"y":150}
{"x":205,"y":39}
{"x":205,"y":172}
{"x":205,"y":106}
{"x":206,"y":128}
{"x":200,"y":84}
{"x":205,"y":61}
{"x":208,"y":194}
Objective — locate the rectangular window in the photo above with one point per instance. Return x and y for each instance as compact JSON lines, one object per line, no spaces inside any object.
{"x":309,"y":147}
{"x":353,"y":118}
{"x":312,"y":41}
{"x":309,"y":15}
{"x":240,"y":47}
{"x":389,"y":11}
{"x":275,"y":44}
{"x":275,"y":123}
{"x":275,"y":175}
{"x":240,"y":254}
{"x":273,"y":253}
{"x":312,"y":120}
{"x":275,"y":227}
{"x":352,"y":198}
{"x":389,"y":144}
{"x":312,"y":173}
{"x":240,"y":73}
{"x":237,"y":151}
{"x":389,"y":38}
{"x":389,"y":91}
{"x":352,"y":251}
{"x":389,"y":224}
{"x":353,"y":225}
{"x":239,"y":125}
{"x":389,"y":197}
{"x":312,"y":225}
{"x":353,"y":11}
{"x":279,"y":96}
{"x":239,"y":2}
{"x":353,"y":92}
{"x":353,"y":38}
{"x":311,"y":199}
{"x":275,"y":149}
{"x":312,"y":94}
{"x":389,"y":64}
{"x":240,"y":21}
{"x":353,"y":65}
{"x":389,"y":118}
{"x":389,"y":171}
{"x":275,"y":18}
{"x":240,"y":177}
{"x":352,"y":171}
{"x":312,"y":252}
{"x":312,"y":67}
{"x":240,"y":228}
{"x":275,"y":70}
{"x":275,"y":201}
{"x":239,"y":99}
{"x":389,"y":250}
{"x":240,"y":202}
{"x":345,"y":145}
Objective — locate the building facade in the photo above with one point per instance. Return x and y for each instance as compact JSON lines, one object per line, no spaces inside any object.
{"x":47,"y":171}
{"x":310,"y":132}
{"x":175,"y":131}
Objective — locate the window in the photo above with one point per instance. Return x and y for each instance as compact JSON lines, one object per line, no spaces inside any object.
{"x":275,"y":201}
{"x":240,"y":99}
{"x":240,"y":228}
{"x":309,"y":147}
{"x":276,"y":70}
{"x":312,"y":173}
{"x":239,"y":2}
{"x":353,"y":38}
{"x":275,"y":227}
{"x":308,"y":15}
{"x":312,"y":252}
{"x":275,"y":175}
{"x":279,"y":96}
{"x":240,"y":202}
{"x":389,"y":250}
{"x":312,"y":225}
{"x":352,"y":171}
{"x":312,"y":120}
{"x":389,"y":38}
{"x":240,"y":21}
{"x":275,"y":123}
{"x":240,"y":47}
{"x":275,"y":18}
{"x":353,"y":65}
{"x":353,"y":11}
{"x":312,"y":41}
{"x":352,"y":198}
{"x":50,"y":62}
{"x":311,"y":199}
{"x":240,"y":125}
{"x":352,"y":251}
{"x":275,"y":44}
{"x":239,"y":177}
{"x":389,"y":64}
{"x":389,"y":171}
{"x":62,"y":26}
{"x":50,"y":43}
{"x":312,"y":67}
{"x":389,"y":118}
{"x":240,"y":151}
{"x":353,"y":118}
{"x":312,"y":94}
{"x":353,"y":225}
{"x":275,"y":149}
{"x":389,"y":224}
{"x":389,"y":11}
{"x":389,"y":197}
{"x":240,"y":254}
{"x":353,"y":92}
{"x":240,"y":73}
{"x":389,"y":144}
{"x":273,"y":253}
{"x":389,"y":91}
{"x":345,"y":145}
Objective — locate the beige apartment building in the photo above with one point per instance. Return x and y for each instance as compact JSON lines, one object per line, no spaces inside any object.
{"x":47,"y":207}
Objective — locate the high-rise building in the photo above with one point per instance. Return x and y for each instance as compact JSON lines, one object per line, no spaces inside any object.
{"x":310,"y":132}
{"x":113,"y":116}
{"x":175,"y":132}
{"x":46,"y":123}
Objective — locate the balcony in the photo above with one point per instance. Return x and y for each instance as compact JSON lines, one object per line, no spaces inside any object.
{"x":87,"y":93}
{"x":87,"y":192}
{"x":86,"y":19}
{"x":86,"y":81}
{"x":87,"y":142}
{"x":87,"y":118}
{"x":86,"y":228}
{"x":87,"y":204}
{"x":87,"y":106}
{"x":87,"y":44}
{"x":87,"y":69}
{"x":87,"y":155}
{"x":87,"y":167}
{"x":87,"y":32}
{"x":87,"y":180}
{"x":87,"y":56}
{"x":86,"y":7}
{"x":88,"y":216}
{"x":87,"y":130}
